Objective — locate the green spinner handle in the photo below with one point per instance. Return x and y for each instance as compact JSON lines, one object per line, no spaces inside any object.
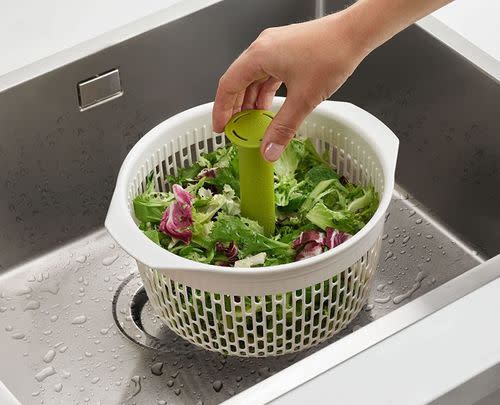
{"x":246,"y":130}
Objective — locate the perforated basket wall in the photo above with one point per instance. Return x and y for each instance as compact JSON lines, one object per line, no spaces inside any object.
{"x":262,"y":325}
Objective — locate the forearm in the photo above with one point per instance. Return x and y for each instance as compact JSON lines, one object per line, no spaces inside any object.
{"x":373,"y":22}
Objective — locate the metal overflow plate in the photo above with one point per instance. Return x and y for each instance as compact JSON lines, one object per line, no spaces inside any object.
{"x":99,"y":89}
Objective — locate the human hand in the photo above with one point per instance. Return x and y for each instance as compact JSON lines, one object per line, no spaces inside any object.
{"x":313,"y":59}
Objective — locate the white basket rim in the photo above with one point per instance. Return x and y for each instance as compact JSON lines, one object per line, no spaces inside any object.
{"x":124,"y":230}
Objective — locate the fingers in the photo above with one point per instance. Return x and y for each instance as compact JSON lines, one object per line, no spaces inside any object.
{"x":266,"y":93}
{"x":238,"y":103}
{"x":237,"y":78}
{"x":284,"y":125}
{"x":251,"y":94}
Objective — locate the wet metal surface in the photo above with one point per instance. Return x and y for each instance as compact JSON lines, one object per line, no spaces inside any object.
{"x":77,"y":329}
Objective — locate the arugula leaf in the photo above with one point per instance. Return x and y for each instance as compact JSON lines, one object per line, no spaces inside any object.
{"x":185,"y":175}
{"x":232,"y":229}
{"x":321,"y":189}
{"x":226,"y":175}
{"x":155,"y":236}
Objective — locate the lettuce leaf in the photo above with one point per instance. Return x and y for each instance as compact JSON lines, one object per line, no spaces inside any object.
{"x":150,"y":205}
{"x":233,"y":229}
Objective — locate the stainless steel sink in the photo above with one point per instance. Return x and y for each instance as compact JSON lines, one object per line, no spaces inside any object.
{"x":76,"y":324}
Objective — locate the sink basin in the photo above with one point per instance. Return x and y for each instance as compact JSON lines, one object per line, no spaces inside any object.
{"x":76,"y":324}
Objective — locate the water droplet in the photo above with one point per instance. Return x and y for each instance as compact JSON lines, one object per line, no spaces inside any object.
{"x":35,"y":394}
{"x":388,"y":255}
{"x":264,"y":372}
{"x":112,"y":246}
{"x":95,"y":380}
{"x":9,"y":328}
{"x":62,"y":349}
{"x":217,"y":385}
{"x":32,"y":305}
{"x":3,"y":309}
{"x":406,"y":239}
{"x":174,"y":375}
{"x":170,"y":383}
{"x":368,"y":307}
{"x":18,"y":336}
{"x":54,"y":318}
{"x":58,"y":387}
{"x":81,"y":259}
{"x":112,"y":368}
{"x":382,"y":300}
{"x":391,"y":241}
{"x":380,"y":287}
{"x":161,"y":402}
{"x":416,"y":285}
{"x":429,"y":236}
{"x":411,"y":213}
{"x":65,"y":374}
{"x":177,"y":391}
{"x":419,"y":221}
{"x":49,"y":356}
{"x":88,"y":354}
{"x":137,"y":385}
{"x":45,"y":373}
{"x":385,"y":236}
{"x":108,"y":261}
{"x":24,"y":291}
{"x":157,"y":368}
{"x":78,"y":320}
{"x":106,"y":279}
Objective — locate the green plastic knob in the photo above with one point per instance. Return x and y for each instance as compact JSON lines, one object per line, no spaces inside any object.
{"x":246,"y":130}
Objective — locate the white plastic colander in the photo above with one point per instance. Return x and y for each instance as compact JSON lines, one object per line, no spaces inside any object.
{"x":258,"y":311}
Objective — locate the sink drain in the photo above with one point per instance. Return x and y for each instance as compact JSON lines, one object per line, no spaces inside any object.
{"x":136,"y":319}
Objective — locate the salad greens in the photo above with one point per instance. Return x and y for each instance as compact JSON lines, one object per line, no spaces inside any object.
{"x":200,"y":219}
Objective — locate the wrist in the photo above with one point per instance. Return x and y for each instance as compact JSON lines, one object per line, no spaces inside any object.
{"x":349,"y":27}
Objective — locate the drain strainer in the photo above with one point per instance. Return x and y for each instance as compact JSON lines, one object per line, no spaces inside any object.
{"x":136,"y":319}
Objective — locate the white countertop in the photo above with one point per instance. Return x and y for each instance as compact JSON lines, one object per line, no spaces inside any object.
{"x":32,"y":31}
{"x":477,"y":21}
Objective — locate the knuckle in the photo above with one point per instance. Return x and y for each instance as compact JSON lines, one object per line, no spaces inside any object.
{"x":266,"y":33}
{"x":283,"y":131}
{"x":309,"y":100}
{"x":263,"y":42}
{"x":223,"y":80}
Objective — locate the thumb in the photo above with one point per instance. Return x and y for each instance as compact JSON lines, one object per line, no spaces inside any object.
{"x":284,"y":125}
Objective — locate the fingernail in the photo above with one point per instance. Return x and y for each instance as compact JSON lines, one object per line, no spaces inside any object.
{"x":273,"y":151}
